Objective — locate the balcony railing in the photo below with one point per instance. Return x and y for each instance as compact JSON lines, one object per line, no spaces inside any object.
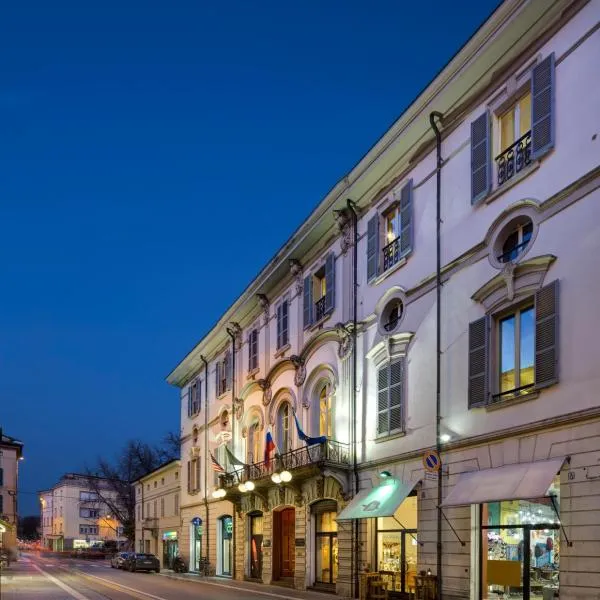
{"x":391,"y":254}
{"x":330,"y":452}
{"x":150,"y":523}
{"x":514,"y":159}
{"x":319,"y":309}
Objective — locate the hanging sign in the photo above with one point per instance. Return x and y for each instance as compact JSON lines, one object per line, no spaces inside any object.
{"x":431,"y":461}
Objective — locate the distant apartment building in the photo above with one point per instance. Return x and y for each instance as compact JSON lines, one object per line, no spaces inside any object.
{"x":157,"y":513}
{"x":11,"y":453}
{"x":73,"y":514}
{"x":410,"y":385}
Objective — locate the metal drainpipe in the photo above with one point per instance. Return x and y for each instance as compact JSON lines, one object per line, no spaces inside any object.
{"x":206,"y":449}
{"x":438,"y":280}
{"x":355,"y":554}
{"x":232,"y":336}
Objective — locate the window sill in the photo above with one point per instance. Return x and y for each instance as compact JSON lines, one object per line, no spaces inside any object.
{"x":518,"y":400}
{"x":391,"y":436}
{"x":317,"y":324}
{"x":252,"y":373}
{"x":377,"y":280}
{"x":222,"y":395}
{"x":498,"y":191}
{"x":281,"y":351}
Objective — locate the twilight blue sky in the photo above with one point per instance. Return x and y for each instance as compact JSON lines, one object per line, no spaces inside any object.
{"x":153,"y":156}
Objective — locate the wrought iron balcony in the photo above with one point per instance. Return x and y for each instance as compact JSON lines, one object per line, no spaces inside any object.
{"x":319,"y":309}
{"x":391,"y":254}
{"x":514,"y":159}
{"x":307,"y":458}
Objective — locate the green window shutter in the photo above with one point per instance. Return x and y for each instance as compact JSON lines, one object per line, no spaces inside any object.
{"x":542,"y":108}
{"x":478,"y":361}
{"x":218,"y":378}
{"x":189,"y":400}
{"x":546,"y":335}
{"x":373,"y":247}
{"x":383,"y":421}
{"x":329,"y":282}
{"x":189,"y":476}
{"x":481,"y":164}
{"x":406,"y":219}
{"x":308,"y":301}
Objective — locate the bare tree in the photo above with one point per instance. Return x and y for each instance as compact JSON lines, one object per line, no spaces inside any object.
{"x":111,"y":480}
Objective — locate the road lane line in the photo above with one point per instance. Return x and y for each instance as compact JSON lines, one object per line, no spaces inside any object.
{"x":115,"y":586}
{"x":60,"y":584}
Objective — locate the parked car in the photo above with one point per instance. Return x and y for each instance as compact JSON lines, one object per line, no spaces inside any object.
{"x":141,"y":562}
{"x":118,"y":560}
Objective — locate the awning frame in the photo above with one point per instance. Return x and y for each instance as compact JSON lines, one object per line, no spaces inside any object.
{"x":562,"y":528}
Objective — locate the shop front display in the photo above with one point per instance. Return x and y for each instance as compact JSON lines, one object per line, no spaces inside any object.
{"x":520,"y":549}
{"x":170,"y":548}
{"x":326,"y":542}
{"x":196,"y":542}
{"x":226,"y":547}
{"x":520,"y":527}
{"x":393,"y":507}
{"x":397,"y":547}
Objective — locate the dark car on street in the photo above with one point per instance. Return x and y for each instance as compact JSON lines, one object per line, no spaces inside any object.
{"x":141,"y":562}
{"x":118,"y":560}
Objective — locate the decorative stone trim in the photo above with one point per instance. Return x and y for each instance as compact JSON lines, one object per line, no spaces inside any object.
{"x":389,"y":347}
{"x":516,"y":281}
{"x":281,"y":351}
{"x":300,"y":367}
{"x":265,"y":306}
{"x":346,"y":341}
{"x":265,"y":386}
{"x":296,"y":271}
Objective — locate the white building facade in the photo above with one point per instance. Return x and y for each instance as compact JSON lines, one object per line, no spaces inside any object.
{"x":74,"y":516}
{"x":513,"y":417}
{"x":157,"y":513}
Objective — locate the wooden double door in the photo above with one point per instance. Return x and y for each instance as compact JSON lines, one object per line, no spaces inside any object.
{"x":284,"y":551}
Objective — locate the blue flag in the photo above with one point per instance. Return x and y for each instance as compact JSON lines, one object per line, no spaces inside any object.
{"x":306,"y":438}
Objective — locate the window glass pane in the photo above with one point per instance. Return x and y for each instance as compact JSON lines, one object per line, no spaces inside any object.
{"x":507,"y":130}
{"x":524,"y":114}
{"x":527,"y":349}
{"x":323,"y":574}
{"x":391,"y":223}
{"x":389,"y":550}
{"x":502,"y":562}
{"x":507,"y":354}
{"x":406,"y":514}
{"x":326,"y":522}
{"x":257,"y":525}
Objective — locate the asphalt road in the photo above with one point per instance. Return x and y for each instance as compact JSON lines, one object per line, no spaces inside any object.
{"x":35,"y":577}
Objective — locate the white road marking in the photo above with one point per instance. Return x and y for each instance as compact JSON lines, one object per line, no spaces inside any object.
{"x":60,"y":584}
{"x":241,"y":589}
{"x":114,"y":584}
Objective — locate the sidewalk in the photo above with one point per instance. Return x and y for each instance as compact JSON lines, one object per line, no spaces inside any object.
{"x":275,"y":591}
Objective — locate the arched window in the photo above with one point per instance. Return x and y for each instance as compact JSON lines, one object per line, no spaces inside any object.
{"x":326,"y":410}
{"x":253,"y":444}
{"x":284,"y":437}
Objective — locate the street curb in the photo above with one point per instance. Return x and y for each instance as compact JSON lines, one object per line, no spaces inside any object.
{"x":257,"y":588}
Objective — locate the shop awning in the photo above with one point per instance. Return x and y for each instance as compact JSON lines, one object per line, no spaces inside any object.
{"x":512,"y":482}
{"x":380,"y":501}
